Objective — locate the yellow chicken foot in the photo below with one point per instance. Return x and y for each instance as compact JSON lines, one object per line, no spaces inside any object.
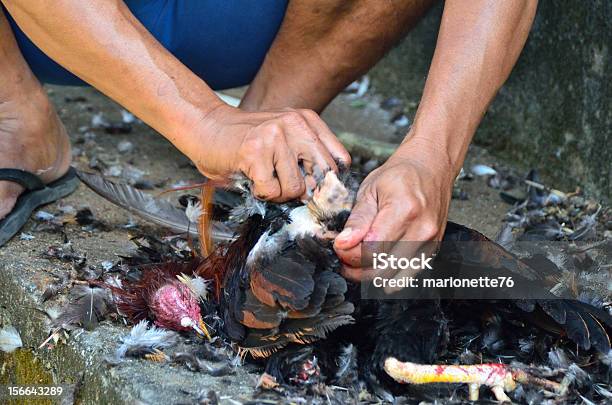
{"x":500,"y":378}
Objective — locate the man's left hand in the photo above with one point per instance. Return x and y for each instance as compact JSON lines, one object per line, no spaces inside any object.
{"x":405,"y":199}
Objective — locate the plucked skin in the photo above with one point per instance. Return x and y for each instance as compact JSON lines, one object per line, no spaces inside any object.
{"x":172,"y":303}
{"x":159,"y":296}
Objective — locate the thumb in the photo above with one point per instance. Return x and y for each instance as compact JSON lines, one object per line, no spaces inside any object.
{"x":357,"y":225}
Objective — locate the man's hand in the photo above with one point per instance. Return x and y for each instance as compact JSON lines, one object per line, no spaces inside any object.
{"x":270,"y":148}
{"x":406,"y":199}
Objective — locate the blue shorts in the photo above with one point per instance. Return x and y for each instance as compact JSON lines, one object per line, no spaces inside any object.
{"x":222,"y":41}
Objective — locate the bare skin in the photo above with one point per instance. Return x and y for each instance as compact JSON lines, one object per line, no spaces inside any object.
{"x":31,"y":135}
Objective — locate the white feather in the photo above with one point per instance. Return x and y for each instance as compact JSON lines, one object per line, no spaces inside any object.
{"x":140,"y":337}
{"x":197,"y":285}
{"x":251,"y":206}
{"x":10,"y":339}
{"x":114,"y":281}
{"x":267,"y":245}
{"x":193,"y":211}
{"x":483,"y":170}
{"x":302,"y":223}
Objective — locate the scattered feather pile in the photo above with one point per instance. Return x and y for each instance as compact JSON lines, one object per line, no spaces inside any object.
{"x":541,"y":213}
{"x":87,"y":307}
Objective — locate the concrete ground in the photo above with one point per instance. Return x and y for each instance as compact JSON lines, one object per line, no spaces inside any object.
{"x":24,"y":271}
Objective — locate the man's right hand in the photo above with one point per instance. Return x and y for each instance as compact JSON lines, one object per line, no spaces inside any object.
{"x":269,"y":148}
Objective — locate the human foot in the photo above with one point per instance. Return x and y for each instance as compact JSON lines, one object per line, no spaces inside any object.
{"x":32,"y":138}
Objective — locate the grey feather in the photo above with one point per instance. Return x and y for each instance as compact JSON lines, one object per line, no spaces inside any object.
{"x":557,"y":358}
{"x":156,"y":210}
{"x":87,"y":307}
{"x":10,"y":339}
{"x":601,"y":390}
{"x":586,"y":401}
{"x":347,"y":361}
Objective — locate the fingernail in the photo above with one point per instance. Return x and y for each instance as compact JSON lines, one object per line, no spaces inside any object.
{"x":345,"y":234}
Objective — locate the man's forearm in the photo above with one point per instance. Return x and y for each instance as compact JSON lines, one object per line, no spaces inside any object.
{"x":478,"y":44}
{"x":103,"y":43}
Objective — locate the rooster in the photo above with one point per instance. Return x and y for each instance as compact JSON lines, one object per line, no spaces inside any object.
{"x":283,"y":287}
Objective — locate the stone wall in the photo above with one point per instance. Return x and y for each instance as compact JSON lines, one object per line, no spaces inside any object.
{"x":553,"y":113}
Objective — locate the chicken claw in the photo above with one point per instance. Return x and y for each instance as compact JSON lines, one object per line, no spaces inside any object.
{"x":500,"y":378}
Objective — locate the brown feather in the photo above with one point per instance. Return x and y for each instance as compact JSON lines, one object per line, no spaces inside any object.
{"x":205,"y":223}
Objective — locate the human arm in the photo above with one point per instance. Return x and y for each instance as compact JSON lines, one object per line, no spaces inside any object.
{"x":407,"y":198}
{"x":105,"y":45}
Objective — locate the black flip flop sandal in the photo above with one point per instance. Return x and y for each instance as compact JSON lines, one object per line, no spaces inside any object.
{"x":36,"y":194}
